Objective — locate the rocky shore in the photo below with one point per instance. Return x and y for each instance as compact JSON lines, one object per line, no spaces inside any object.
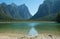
{"x":25,"y":36}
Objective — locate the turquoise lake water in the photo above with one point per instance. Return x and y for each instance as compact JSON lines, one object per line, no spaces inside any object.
{"x":24,"y":27}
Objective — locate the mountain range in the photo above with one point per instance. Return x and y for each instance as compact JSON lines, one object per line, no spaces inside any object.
{"x":13,"y":11}
{"x":48,"y":10}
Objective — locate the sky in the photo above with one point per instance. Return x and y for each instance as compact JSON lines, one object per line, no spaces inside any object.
{"x":32,"y":5}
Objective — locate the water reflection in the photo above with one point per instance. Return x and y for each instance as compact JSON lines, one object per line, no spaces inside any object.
{"x":30,"y":27}
{"x":32,"y":32}
{"x":33,"y":24}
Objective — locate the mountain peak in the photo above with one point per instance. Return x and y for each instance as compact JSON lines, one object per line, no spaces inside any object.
{"x":23,"y":5}
{"x":15,"y":12}
{"x":48,"y":10}
{"x":24,"y":9}
{"x":13,"y":4}
{"x":3,"y":3}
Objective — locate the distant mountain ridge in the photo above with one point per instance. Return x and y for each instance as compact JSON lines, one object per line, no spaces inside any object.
{"x":12,"y":11}
{"x":47,"y":10}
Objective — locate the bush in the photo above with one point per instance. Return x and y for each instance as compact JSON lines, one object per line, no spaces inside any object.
{"x":58,"y":17}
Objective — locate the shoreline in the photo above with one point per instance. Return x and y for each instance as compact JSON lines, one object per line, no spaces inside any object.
{"x":25,"y":36}
{"x":29,"y":21}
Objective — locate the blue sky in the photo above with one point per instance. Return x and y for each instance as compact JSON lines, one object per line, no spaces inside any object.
{"x":32,"y":5}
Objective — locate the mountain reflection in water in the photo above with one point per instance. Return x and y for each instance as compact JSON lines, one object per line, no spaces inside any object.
{"x":33,"y":32}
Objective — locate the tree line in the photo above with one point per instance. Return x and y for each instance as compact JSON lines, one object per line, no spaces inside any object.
{"x":58,"y":17}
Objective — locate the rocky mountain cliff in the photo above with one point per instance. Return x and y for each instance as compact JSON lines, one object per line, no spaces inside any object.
{"x":48,"y":10}
{"x":13,"y":11}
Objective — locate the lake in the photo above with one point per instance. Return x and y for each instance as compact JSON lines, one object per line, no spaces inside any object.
{"x":25,"y":27}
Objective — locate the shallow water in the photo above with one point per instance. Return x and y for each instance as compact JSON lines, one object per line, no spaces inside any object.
{"x":24,"y":27}
{"x":33,"y":32}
